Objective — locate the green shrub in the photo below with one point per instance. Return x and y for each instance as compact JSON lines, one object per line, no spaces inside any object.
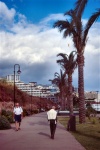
{"x":4,"y":123}
{"x":3,"y":112}
{"x":26,"y":112}
{"x":9,"y":116}
{"x":35,"y":111}
{"x":90,"y":111}
{"x":29,"y":112}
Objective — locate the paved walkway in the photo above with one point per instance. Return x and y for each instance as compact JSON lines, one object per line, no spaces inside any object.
{"x":35,"y":135}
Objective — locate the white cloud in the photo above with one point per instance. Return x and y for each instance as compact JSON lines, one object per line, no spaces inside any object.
{"x":53,"y":17}
{"x":6,"y":15}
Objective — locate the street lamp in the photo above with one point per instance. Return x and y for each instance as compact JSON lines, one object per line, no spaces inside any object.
{"x":31,"y":96}
{"x":41,"y":91}
{"x":97,"y":101}
{"x":14,"y":78}
{"x":40,"y":102}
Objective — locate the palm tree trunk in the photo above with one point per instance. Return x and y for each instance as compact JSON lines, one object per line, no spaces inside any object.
{"x":70,"y":94}
{"x":67,"y":103}
{"x":62,"y":105}
{"x":81,"y":88}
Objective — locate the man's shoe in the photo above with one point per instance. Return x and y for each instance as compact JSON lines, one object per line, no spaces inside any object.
{"x":52,"y":137}
{"x":16,"y":130}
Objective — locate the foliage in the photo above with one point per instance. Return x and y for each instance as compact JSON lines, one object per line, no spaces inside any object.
{"x":6,"y":98}
{"x":69,"y":64}
{"x":26,"y":112}
{"x":3,"y":81}
{"x":90,"y":111}
{"x":29,"y":112}
{"x":8,"y":114}
{"x":7,"y":93}
{"x":61,"y":82}
{"x":35,"y":111}
{"x":3,"y":112}
{"x":4,"y":123}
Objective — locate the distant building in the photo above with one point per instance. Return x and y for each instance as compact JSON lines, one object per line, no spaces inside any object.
{"x":92,"y":97}
{"x":44,"y":91}
{"x":10,"y":78}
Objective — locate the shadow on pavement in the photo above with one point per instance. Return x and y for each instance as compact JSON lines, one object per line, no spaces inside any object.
{"x":38,"y":123}
{"x":41,"y":133}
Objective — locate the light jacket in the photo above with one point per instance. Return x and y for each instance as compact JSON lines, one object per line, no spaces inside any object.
{"x":52,"y":114}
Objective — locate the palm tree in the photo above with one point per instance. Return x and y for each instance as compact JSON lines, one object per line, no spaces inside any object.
{"x":61,"y":81}
{"x":69,"y":64}
{"x":78,"y":32}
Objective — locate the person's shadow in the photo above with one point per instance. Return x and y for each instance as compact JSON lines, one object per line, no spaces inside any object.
{"x":41,"y":133}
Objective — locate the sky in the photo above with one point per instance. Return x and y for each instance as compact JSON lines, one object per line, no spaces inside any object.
{"x":27,"y":38}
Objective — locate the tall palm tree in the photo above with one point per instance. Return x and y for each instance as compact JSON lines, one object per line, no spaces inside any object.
{"x":61,"y":81}
{"x":79,"y":33}
{"x":69,"y":64}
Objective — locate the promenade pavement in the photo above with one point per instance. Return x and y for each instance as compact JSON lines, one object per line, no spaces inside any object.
{"x":35,"y":135}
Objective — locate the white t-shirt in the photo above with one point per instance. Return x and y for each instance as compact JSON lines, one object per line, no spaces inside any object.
{"x":17,"y":110}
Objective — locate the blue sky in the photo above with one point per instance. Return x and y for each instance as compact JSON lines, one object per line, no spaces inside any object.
{"x":27,"y":38}
{"x":35,"y":10}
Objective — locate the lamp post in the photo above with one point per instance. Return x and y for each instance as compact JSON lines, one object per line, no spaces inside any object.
{"x":31,"y":97}
{"x":14,"y":78}
{"x":40,"y":102}
{"x":41,"y":91}
{"x":97,"y":101}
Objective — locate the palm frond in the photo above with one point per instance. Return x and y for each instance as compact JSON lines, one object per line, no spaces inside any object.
{"x":60,"y":79}
{"x":90,"y":22}
{"x":62,"y":55}
{"x":79,"y":7}
{"x":61,"y":25}
{"x":69,"y":13}
{"x":68,"y":63}
{"x":62,"y":61}
{"x":67,"y":32}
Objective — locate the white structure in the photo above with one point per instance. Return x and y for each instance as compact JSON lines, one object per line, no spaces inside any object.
{"x":90,"y":95}
{"x":96,"y":107}
{"x":33,"y":89}
{"x":10,"y":78}
{"x":93,"y":96}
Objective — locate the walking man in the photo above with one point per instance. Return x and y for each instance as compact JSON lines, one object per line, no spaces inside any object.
{"x":52,"y":117}
{"x":18,"y":114}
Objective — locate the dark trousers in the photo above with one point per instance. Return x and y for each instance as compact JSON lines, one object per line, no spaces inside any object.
{"x":52,"y":128}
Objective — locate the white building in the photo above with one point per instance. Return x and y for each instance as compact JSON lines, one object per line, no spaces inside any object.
{"x":96,"y":107}
{"x":33,"y":89}
{"x":10,"y":78}
{"x":93,"y":95}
